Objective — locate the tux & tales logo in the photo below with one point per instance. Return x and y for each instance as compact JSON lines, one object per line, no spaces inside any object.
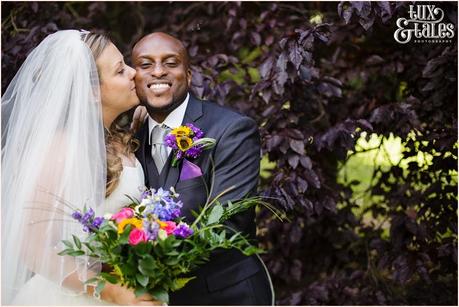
{"x":424,"y":25}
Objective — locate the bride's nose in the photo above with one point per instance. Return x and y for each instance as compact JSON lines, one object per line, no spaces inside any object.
{"x":131,"y":72}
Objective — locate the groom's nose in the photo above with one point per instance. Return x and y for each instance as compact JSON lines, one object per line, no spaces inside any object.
{"x":158,"y":71}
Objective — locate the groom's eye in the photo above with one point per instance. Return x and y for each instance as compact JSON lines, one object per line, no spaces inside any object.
{"x":173,"y":64}
{"x":145,"y":65}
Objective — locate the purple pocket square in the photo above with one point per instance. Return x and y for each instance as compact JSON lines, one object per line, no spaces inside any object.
{"x":189,"y":170}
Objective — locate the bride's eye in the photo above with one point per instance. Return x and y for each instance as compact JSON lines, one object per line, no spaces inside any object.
{"x":121,"y":71}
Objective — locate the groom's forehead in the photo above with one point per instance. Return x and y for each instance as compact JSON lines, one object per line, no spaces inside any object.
{"x":158,"y":42}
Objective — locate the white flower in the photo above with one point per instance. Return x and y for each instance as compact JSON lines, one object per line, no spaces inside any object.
{"x":162,"y":234}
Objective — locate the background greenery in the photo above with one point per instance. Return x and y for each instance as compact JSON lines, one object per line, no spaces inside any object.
{"x":359,"y":133}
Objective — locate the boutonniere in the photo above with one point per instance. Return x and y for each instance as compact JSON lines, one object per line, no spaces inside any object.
{"x":187,"y":141}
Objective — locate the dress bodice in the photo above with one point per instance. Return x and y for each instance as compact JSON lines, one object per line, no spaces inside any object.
{"x":130,"y":183}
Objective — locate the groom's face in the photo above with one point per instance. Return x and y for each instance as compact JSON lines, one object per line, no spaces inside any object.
{"x":163,"y":76}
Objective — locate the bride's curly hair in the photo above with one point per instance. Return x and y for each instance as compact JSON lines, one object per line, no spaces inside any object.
{"x":118,"y":139}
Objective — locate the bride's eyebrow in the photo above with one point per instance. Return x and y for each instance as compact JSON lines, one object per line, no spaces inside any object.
{"x":118,"y":64}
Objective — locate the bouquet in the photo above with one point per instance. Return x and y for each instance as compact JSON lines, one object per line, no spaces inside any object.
{"x":148,"y":245}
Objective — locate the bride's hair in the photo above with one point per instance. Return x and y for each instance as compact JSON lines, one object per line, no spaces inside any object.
{"x":118,"y":141}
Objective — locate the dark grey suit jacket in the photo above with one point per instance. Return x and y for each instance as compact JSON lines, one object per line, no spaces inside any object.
{"x":229,"y":278}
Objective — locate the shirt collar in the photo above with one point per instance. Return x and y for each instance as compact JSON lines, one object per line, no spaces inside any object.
{"x":173,"y":120}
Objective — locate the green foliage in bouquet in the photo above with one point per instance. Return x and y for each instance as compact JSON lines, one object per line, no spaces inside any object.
{"x":149,"y":248}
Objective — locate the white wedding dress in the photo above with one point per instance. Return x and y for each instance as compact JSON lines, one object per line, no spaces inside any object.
{"x":39,"y":291}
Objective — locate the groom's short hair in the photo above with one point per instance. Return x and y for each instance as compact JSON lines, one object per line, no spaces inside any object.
{"x":178,"y":41}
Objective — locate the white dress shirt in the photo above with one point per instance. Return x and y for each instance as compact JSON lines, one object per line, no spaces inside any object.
{"x":173,"y":120}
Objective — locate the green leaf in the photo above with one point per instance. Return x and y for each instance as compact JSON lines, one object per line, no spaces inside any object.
{"x":100,"y":287}
{"x":76,"y":253}
{"x":147,"y":266}
{"x":161,"y":295}
{"x":124,"y":237}
{"x":173,"y":253}
{"x":179,"y":283}
{"x":142,"y":279}
{"x":133,"y":200}
{"x":215,"y":214}
{"x":138,"y":292}
{"x":222,"y":236}
{"x":88,"y":246}
{"x":172,"y":261}
{"x":65,"y":251}
{"x":110,"y":278}
{"x":91,"y":280}
{"x":252,"y":250}
{"x":67,"y":243}
{"x":77,"y":241}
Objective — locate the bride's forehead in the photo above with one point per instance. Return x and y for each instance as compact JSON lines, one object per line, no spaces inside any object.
{"x":110,"y":57}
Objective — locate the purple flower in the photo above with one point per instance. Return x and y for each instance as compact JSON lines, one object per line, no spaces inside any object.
{"x":87,"y":216}
{"x":151,"y":229}
{"x":171,"y":141}
{"x":97,"y":222}
{"x":193,"y":152}
{"x":175,"y":213}
{"x":197,"y":132}
{"x":87,"y":220}
{"x":145,"y":194}
{"x":76,"y":215}
{"x":183,"y":231}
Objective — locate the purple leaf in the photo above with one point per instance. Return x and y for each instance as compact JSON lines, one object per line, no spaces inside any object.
{"x":273,"y":142}
{"x":255,"y":38}
{"x":345,"y":11}
{"x":306,"y":162}
{"x":295,"y":55}
{"x":358,"y":5}
{"x":265,"y":68}
{"x":302,"y":185}
{"x":293,"y":160}
{"x":312,"y":178}
{"x":374,"y":60}
{"x":297,"y":146}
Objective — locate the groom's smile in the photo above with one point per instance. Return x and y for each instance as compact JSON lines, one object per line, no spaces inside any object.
{"x":159,"y":87}
{"x":163,"y":75}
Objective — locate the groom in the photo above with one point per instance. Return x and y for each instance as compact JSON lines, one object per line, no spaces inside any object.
{"x":162,"y":82}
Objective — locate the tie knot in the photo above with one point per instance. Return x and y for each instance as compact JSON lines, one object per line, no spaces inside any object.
{"x":158,"y":133}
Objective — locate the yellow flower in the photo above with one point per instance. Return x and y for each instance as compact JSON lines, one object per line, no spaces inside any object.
{"x":181,"y":131}
{"x":184,"y":143}
{"x":132,"y":221}
{"x":161,"y":224}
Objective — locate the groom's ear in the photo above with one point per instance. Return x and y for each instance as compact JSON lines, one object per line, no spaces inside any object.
{"x":189,"y":76}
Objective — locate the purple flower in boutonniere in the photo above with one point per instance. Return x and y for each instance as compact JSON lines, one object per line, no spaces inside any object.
{"x":187,"y":141}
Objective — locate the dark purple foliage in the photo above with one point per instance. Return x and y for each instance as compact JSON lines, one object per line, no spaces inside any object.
{"x":318,"y":86}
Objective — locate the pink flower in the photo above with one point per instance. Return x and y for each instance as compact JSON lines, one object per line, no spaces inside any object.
{"x":168,"y":226}
{"x":124,"y":213}
{"x":136,"y":236}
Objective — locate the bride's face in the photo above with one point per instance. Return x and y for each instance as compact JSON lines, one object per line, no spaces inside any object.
{"x":117,"y":85}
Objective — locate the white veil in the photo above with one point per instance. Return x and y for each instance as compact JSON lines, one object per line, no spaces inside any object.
{"x":52,"y":151}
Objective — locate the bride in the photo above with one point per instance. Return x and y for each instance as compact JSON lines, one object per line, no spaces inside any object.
{"x":61,"y":151}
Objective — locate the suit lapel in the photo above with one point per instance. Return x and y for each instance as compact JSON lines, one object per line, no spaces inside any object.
{"x":170,"y":175}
